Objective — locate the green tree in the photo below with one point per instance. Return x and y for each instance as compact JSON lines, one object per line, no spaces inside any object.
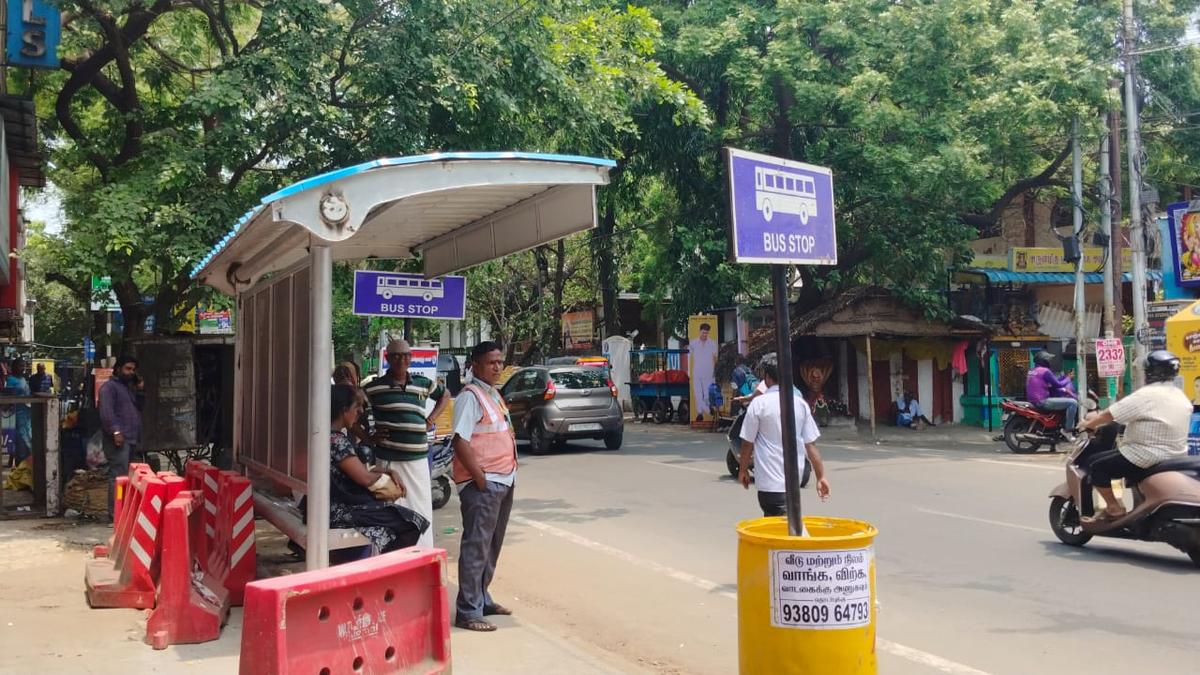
{"x":60,"y":316}
{"x":934,"y":117}
{"x":171,"y":118}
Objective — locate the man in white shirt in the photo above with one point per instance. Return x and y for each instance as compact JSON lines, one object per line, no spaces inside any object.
{"x":762,"y":435}
{"x":1156,"y":419}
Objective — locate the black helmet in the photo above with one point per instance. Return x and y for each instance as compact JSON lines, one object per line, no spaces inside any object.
{"x":1044,"y":359}
{"x":1161,"y":366}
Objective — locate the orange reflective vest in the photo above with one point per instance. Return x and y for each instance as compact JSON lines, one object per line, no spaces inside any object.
{"x":491,"y":440}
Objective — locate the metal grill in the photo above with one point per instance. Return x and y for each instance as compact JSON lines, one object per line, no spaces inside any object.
{"x":1012,"y":369}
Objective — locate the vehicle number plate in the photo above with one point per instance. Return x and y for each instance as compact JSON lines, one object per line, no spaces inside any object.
{"x":592,"y":426}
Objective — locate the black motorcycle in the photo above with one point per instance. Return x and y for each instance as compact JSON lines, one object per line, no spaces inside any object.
{"x":733,"y":456}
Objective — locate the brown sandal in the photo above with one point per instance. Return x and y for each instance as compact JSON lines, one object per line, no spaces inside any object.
{"x":477,"y":625}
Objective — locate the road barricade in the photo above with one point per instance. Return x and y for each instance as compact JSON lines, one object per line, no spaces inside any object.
{"x":124,"y":574}
{"x":192,"y":605}
{"x":233,"y":556}
{"x":384,"y":614}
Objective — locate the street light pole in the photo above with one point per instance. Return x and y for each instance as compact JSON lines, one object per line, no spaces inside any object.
{"x":1137,"y":239}
{"x":1077,"y":220}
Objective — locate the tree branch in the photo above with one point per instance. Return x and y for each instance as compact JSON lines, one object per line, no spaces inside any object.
{"x":989,"y":219}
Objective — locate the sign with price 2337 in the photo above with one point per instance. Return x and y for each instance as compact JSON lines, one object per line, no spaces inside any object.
{"x":822,"y":590}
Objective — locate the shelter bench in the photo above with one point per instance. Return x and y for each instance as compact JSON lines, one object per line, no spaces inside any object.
{"x":285,"y":516}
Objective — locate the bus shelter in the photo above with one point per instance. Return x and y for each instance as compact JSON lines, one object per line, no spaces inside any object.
{"x":454,"y":209}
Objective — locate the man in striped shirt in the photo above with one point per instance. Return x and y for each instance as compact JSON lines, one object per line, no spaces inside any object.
{"x":398,"y":406}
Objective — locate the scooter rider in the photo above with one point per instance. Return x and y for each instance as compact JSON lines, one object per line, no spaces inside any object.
{"x":1047,"y":391}
{"x":1156,"y":419}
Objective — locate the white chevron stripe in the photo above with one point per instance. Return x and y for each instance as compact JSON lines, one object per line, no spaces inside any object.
{"x":147,"y":526}
{"x":156,"y":502}
{"x":241,"y":550}
{"x":210,"y":507}
{"x":241,"y":499}
{"x":210,"y":482}
{"x":208,"y":529}
{"x":241,"y":524}
{"x":140,"y":553}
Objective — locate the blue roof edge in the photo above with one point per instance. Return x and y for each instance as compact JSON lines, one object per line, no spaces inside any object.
{"x":330,"y":176}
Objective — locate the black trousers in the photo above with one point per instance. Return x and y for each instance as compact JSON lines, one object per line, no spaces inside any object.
{"x":1104,"y":462}
{"x":772,"y":503}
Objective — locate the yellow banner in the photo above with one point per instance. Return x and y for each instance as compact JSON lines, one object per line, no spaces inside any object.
{"x":989,"y":261}
{"x":1049,"y":259}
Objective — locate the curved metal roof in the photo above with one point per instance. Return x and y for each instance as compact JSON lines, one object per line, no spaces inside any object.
{"x":458,"y":209}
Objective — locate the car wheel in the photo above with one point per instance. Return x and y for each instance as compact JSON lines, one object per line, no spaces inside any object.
{"x":539,"y":439}
{"x":613,"y":441}
{"x":683,"y":414}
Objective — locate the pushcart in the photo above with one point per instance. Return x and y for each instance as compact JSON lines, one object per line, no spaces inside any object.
{"x":657,"y":378}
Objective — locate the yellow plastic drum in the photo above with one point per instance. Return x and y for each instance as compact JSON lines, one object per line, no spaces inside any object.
{"x":806,"y":604}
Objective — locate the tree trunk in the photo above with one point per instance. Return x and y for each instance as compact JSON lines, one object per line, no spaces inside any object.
{"x":606,"y":269}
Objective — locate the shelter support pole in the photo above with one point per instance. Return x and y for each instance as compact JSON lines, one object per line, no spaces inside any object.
{"x":870,"y":386}
{"x":320,"y":356}
{"x":787,"y":401}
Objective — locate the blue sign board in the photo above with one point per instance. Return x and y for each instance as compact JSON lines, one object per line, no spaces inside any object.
{"x":89,"y":349}
{"x":34,"y":29}
{"x":781,"y":212}
{"x":409,"y":296}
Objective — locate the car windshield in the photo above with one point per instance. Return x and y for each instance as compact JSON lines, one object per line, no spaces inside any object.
{"x":579,"y":379}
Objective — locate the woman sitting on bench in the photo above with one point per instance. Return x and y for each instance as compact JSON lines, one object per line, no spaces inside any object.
{"x":364,"y":498}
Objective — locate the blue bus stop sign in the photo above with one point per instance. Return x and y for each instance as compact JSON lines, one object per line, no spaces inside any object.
{"x":409,"y":296}
{"x":89,"y":349}
{"x":781,"y":211}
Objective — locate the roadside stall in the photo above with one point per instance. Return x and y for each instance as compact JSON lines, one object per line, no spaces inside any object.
{"x":454,"y":209}
{"x":1183,"y":339}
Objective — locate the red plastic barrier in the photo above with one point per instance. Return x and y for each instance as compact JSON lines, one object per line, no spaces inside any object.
{"x":126,"y":577}
{"x":380,"y":615}
{"x":190,"y":608}
{"x":233,"y":557}
{"x":209,"y":487}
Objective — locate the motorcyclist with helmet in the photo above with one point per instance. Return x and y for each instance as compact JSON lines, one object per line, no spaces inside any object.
{"x":1156,"y":419}
{"x":1047,"y":391}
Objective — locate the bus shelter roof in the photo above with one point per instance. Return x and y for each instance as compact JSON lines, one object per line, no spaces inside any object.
{"x":457,"y":209}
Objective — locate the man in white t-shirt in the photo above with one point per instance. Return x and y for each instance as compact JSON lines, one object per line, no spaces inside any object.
{"x":762,"y":435}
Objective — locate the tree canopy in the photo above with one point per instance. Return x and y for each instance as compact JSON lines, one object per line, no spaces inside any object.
{"x":169,"y":118}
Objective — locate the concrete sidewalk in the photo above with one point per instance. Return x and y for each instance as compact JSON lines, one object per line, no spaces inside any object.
{"x":47,"y":626}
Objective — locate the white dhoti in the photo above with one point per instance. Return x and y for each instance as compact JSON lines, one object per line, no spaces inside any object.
{"x":418,"y":491}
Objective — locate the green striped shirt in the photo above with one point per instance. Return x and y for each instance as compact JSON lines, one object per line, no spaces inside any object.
{"x":399,"y":410}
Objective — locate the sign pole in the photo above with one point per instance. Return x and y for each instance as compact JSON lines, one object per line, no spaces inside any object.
{"x":787,"y":401}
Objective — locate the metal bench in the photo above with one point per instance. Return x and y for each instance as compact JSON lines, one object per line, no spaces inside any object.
{"x":286,"y":517}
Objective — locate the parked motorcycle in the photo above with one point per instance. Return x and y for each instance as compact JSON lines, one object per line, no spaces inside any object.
{"x":1166,"y":506}
{"x":1026,"y":428}
{"x":733,"y":456}
{"x":441,"y":456}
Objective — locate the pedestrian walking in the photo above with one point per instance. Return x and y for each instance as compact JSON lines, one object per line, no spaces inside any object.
{"x":401,"y":442}
{"x":485,"y":468}
{"x":762,"y":435}
{"x":120,"y":421}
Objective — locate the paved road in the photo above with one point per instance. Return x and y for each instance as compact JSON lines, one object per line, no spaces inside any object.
{"x":630,"y":556}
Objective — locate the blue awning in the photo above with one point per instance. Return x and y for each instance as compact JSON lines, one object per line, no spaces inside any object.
{"x":996,"y":276}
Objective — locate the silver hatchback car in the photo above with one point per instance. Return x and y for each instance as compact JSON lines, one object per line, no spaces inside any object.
{"x":550,"y":404}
